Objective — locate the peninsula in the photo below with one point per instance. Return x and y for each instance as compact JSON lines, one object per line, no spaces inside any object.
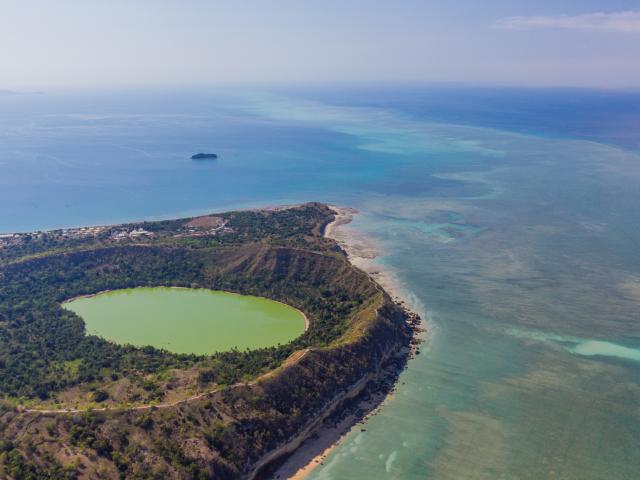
{"x":75,"y":405}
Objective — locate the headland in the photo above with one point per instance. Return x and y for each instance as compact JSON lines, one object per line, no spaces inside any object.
{"x":77,"y":403}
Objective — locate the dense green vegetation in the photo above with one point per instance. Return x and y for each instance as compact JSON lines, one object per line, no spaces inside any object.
{"x":44,"y":352}
{"x":299,"y":227}
{"x":39,"y":339}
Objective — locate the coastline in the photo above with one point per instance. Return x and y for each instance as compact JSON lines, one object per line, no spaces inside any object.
{"x":361,"y":252}
{"x":356,"y":400}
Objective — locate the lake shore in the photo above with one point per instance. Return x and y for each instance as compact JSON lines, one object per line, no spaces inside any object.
{"x":361,"y":251}
{"x":91,"y":295}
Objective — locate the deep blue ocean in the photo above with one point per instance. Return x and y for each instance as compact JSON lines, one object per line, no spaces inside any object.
{"x":508,"y":216}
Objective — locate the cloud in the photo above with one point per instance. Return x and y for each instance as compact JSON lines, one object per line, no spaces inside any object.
{"x":620,"y":22}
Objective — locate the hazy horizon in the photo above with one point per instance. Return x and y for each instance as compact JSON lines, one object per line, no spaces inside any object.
{"x":196,"y":43}
{"x":281,"y":85}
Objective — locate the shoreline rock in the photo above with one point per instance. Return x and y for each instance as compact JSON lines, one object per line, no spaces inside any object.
{"x":312,"y":451}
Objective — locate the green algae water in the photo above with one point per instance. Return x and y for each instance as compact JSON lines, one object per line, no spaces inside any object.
{"x":184,"y":320}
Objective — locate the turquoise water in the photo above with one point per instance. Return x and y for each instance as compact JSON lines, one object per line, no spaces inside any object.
{"x":511,"y":223}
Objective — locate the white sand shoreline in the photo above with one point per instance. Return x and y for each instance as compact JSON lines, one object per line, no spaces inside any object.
{"x":361,"y":252}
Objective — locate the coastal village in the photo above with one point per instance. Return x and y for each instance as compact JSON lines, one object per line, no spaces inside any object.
{"x":209,"y":225}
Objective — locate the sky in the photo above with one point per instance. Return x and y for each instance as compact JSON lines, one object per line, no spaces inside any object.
{"x":71,"y":43}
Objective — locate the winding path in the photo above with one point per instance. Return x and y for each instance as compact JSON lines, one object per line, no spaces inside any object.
{"x":293,"y":358}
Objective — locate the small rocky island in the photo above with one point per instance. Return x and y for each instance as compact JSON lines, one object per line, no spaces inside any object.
{"x":204,"y":156}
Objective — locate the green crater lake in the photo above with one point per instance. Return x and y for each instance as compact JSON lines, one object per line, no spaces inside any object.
{"x":185,"y":320}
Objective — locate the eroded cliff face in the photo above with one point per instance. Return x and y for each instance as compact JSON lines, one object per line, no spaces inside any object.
{"x":231,"y":430}
{"x":330,"y":377}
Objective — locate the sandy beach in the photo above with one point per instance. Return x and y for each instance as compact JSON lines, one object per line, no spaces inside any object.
{"x":361,"y":251}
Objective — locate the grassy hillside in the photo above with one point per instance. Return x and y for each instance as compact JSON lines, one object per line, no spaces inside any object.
{"x":78,"y":406}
